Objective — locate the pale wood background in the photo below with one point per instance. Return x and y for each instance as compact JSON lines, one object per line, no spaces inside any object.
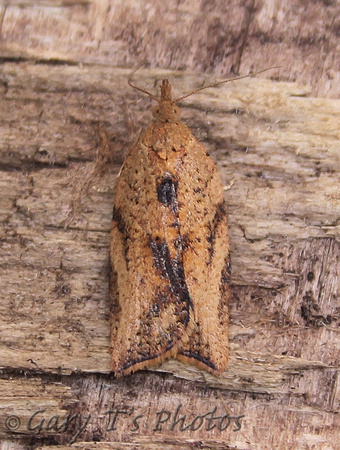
{"x":67,"y":119}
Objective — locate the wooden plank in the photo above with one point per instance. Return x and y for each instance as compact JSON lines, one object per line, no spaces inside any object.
{"x":278,"y":153}
{"x":67,"y":119}
{"x":30,"y":407}
{"x":282,"y":194}
{"x":151,"y":409}
{"x":212,"y":37}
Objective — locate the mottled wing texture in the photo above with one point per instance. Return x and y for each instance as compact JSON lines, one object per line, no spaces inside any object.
{"x":169,"y":255}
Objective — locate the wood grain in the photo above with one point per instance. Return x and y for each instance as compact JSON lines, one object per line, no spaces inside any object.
{"x":214,"y":37}
{"x":64,"y":130}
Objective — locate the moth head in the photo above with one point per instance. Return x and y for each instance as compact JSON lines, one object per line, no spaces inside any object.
{"x":166,"y":111}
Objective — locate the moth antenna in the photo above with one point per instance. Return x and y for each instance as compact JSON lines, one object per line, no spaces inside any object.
{"x":225,"y":81}
{"x":137,"y":87}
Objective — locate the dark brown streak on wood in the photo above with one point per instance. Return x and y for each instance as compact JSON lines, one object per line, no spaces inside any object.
{"x":326,"y":48}
{"x":249,"y":14}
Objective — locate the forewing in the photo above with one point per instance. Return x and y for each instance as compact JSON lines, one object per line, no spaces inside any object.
{"x":150,"y":302}
{"x":206,"y":259}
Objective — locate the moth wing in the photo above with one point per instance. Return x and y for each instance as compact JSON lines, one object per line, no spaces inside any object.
{"x":150,"y":303}
{"x":206,"y":260}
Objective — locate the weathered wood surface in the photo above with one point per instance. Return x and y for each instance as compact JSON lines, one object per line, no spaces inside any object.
{"x":64,"y":130}
{"x":277,"y":151}
{"x":215,"y":37}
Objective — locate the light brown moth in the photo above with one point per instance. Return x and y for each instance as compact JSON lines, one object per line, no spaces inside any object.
{"x":169,"y":251}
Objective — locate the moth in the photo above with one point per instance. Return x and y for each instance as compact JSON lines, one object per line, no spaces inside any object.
{"x":169,"y":250}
